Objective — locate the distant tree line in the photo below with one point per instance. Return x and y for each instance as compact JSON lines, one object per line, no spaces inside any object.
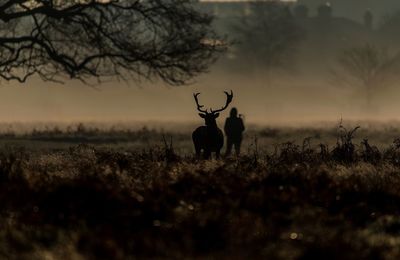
{"x":267,"y":38}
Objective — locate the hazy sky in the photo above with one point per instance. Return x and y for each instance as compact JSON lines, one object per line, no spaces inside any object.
{"x":288,"y":100}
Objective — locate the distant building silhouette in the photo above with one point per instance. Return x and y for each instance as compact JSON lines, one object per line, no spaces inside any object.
{"x":351,"y":9}
{"x":326,"y":28}
{"x":354,"y":9}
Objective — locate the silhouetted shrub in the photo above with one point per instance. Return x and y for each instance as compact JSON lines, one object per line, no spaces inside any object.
{"x":345,"y":149}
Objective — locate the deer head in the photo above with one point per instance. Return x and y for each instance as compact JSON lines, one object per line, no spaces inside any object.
{"x":210,"y":117}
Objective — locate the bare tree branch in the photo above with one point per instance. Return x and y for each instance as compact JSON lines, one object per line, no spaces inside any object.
{"x":268,"y":35}
{"x":99,"y":39}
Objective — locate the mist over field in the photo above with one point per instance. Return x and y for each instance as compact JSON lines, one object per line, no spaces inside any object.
{"x":297,"y":87}
{"x":290,"y":100}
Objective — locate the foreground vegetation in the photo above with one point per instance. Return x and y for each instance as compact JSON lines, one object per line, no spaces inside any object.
{"x":297,"y":201}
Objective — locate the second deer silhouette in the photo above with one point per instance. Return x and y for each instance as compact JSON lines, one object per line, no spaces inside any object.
{"x":209,"y":138}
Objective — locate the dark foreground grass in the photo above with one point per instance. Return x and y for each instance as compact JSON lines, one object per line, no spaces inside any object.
{"x":296,"y":203}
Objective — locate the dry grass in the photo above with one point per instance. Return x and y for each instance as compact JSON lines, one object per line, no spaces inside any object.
{"x":292,"y":201}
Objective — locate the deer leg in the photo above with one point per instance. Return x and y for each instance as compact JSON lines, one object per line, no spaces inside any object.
{"x":217,"y":154}
{"x":198,"y":153}
{"x":207,"y":154}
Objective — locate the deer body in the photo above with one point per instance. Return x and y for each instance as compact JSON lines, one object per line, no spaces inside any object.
{"x":209,"y":138}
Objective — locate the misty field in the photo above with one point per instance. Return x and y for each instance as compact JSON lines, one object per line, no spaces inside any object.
{"x":295,"y":193}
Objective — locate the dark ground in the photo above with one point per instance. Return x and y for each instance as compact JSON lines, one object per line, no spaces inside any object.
{"x":123,"y":196}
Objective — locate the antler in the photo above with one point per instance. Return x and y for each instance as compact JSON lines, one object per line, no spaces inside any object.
{"x":199,"y":107}
{"x":229,"y":98}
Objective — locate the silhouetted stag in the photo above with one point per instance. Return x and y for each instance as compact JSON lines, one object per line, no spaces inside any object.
{"x":209,"y":138}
